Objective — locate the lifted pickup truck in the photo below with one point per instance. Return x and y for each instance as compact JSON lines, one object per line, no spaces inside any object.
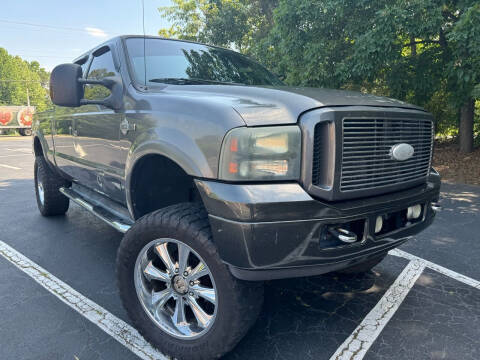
{"x":221,"y":177}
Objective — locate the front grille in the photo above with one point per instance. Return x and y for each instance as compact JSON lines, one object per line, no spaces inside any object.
{"x":366,"y":161}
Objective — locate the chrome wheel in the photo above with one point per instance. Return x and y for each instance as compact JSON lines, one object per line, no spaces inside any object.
{"x":176,"y":288}
{"x":41,"y":193}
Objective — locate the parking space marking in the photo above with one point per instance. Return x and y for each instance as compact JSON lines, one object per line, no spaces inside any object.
{"x":438,"y":268}
{"x":358,"y":343}
{"x":113,"y":326}
{"x":24,"y":150}
{"x":362,"y":338}
{"x":4,"y":156}
{"x":10,"y":167}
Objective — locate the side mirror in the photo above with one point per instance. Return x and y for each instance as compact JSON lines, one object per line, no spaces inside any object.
{"x":66,"y":88}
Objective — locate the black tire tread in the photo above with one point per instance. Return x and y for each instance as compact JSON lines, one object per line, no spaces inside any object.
{"x":55,"y":203}
{"x":246,"y":300}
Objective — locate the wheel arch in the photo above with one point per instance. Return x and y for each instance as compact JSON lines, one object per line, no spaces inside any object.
{"x":37,"y":147}
{"x":148,"y":187}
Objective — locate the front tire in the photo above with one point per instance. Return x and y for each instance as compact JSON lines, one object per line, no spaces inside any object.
{"x":50,"y":201}
{"x":184,"y":315}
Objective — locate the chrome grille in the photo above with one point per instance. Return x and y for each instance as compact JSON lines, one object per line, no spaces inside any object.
{"x":366,"y":160}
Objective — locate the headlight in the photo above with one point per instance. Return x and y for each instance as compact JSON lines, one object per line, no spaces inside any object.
{"x":263,"y":153}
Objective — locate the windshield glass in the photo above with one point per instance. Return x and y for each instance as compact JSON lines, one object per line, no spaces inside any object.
{"x":177,"y":62}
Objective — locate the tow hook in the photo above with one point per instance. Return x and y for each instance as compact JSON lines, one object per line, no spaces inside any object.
{"x":343,"y":235}
{"x":436,"y":206}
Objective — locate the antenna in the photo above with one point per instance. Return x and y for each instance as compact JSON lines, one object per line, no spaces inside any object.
{"x":144,"y":46}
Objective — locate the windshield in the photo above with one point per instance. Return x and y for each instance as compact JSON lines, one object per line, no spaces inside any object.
{"x":181,"y":63}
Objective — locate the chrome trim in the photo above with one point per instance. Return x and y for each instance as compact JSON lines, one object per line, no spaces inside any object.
{"x":436,"y":206}
{"x":369,"y":167}
{"x":100,"y":212}
{"x":334,"y":117}
{"x":343,"y":235}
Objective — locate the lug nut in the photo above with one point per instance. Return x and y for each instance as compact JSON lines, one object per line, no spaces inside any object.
{"x":176,"y":270}
{"x":185,"y":273}
{"x":192,"y":283}
{"x":191,"y":293}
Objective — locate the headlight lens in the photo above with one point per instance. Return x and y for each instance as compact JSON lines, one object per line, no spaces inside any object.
{"x":263,"y":153}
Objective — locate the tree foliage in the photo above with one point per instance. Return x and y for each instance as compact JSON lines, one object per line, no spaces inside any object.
{"x":422,"y":51}
{"x":24,"y":75}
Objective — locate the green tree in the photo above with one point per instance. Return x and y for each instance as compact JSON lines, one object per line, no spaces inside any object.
{"x":240,"y":24}
{"x":16,"y":76}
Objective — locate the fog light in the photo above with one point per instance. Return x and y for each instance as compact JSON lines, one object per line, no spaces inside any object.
{"x":378,"y":224}
{"x":414,"y":212}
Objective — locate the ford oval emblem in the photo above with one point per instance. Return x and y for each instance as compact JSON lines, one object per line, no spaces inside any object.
{"x":401,"y":152}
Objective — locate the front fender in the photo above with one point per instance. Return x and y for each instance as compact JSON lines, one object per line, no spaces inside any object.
{"x":172,"y":144}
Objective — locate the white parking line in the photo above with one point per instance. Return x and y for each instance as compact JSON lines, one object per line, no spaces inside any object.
{"x":4,"y":156}
{"x":113,"y":326}
{"x":10,"y":167}
{"x":438,"y":268}
{"x":24,"y":150}
{"x":358,"y":343}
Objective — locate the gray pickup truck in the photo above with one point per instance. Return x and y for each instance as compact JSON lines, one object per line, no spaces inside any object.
{"x":221,"y":177}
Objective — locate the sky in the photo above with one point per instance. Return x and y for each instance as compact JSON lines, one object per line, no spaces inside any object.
{"x":57,"y":31}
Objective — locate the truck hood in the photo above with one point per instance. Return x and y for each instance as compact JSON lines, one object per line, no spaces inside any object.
{"x":281,"y":105}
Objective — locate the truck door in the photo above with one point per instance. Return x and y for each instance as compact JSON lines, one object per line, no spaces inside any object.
{"x":63,"y":123}
{"x":99,"y":151}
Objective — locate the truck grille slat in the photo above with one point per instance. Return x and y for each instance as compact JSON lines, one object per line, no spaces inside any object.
{"x":393,"y":174}
{"x":356,"y":155}
{"x":352,"y":187}
{"x":411,"y":166}
{"x":356,"y":163}
{"x":366,"y":161}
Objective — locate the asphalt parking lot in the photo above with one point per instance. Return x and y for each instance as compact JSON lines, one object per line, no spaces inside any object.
{"x":422,"y":302}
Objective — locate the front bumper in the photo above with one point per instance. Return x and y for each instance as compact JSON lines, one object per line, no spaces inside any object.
{"x":273,"y":231}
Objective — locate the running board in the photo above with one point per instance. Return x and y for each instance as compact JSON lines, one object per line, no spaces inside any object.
{"x":94,"y":204}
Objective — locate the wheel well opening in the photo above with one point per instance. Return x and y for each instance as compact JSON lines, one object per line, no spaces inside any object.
{"x":37,"y":147}
{"x":158,"y":182}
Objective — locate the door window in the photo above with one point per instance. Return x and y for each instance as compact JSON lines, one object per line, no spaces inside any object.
{"x":102,"y":66}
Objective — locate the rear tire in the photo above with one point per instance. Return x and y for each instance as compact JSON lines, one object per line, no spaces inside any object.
{"x":363,"y":267}
{"x":237,"y":303}
{"x":50,"y":201}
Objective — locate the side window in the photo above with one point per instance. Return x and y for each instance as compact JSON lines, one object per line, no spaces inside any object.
{"x":102,"y":66}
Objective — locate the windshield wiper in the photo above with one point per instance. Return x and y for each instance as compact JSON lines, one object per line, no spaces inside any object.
{"x":190,"y":81}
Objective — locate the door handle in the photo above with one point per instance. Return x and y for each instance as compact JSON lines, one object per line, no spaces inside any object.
{"x":72,"y":131}
{"x":125,"y":127}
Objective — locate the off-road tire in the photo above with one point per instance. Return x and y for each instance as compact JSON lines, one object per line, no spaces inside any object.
{"x":363,"y":267}
{"x":239,"y":302}
{"x":54,"y":202}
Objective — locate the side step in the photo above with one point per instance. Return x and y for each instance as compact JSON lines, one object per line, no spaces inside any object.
{"x":103,"y":208}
